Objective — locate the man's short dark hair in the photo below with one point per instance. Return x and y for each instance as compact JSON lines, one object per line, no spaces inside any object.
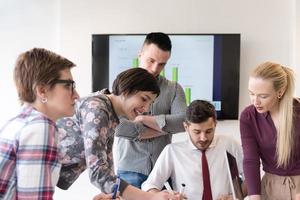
{"x":160,"y":39}
{"x":199,"y":111}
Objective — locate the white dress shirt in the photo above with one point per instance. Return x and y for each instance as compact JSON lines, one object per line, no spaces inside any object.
{"x":182,"y":162}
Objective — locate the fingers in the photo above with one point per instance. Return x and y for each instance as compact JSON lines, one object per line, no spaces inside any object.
{"x":103,"y":196}
{"x":175,"y":197}
{"x":225,"y":197}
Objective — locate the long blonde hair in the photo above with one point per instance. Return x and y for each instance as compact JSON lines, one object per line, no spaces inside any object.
{"x":282,"y":78}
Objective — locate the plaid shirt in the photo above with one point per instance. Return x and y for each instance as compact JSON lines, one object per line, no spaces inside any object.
{"x":29,"y":167}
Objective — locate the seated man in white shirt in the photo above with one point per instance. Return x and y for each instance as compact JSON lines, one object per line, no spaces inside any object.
{"x":182,"y":161}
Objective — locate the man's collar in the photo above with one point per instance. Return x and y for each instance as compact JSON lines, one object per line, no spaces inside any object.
{"x":193,"y":147}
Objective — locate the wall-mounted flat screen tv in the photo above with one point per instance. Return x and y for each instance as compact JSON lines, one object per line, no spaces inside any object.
{"x":206,"y":65}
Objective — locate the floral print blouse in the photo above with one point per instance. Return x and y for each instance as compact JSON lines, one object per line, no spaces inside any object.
{"x":86,"y":141}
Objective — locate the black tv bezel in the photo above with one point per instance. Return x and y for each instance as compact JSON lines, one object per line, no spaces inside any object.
{"x":225,"y":70}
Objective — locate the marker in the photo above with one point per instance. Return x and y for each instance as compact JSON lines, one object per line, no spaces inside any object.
{"x":182,"y":188}
{"x":168,"y":187}
{"x":116,"y":188}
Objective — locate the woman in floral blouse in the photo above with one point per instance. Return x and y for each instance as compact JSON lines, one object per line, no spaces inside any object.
{"x":86,"y":140}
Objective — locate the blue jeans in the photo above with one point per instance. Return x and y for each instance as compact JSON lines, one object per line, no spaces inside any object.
{"x":133,"y":178}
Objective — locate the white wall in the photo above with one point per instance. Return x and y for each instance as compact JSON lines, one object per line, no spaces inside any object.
{"x":297,"y":45}
{"x":266,"y":27}
{"x":23,"y":25}
{"x":269,"y":29}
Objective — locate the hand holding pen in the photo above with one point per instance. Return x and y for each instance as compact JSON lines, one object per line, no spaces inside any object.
{"x":182,"y":189}
{"x":113,"y":196}
{"x":180,"y":195}
{"x":116,"y":188}
{"x":104,"y":196}
{"x":168,"y":187}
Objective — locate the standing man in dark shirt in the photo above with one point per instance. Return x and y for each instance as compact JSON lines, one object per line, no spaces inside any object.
{"x":136,"y":158}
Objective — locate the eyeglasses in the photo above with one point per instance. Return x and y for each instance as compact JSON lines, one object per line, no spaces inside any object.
{"x":70,"y":84}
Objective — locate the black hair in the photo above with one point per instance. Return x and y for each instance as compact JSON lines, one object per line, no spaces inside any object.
{"x":160,"y":39}
{"x":134,"y":80}
{"x":199,"y":111}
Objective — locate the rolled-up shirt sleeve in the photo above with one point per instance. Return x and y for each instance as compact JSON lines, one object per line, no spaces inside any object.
{"x":172,"y":122}
{"x":161,"y":171}
{"x":129,"y":130}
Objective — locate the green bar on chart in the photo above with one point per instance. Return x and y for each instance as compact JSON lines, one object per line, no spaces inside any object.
{"x":175,"y":74}
{"x":135,"y":62}
{"x":162,"y":73}
{"x":187,"y":92}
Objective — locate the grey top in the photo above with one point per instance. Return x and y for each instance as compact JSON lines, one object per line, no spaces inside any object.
{"x":169,"y":111}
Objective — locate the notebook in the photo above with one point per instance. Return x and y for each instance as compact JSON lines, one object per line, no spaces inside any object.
{"x":233,"y":173}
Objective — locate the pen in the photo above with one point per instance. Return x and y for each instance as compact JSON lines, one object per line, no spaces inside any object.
{"x":168,"y":187}
{"x":182,"y":188}
{"x":116,"y":188}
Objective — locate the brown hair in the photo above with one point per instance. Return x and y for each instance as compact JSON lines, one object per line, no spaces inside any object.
{"x":134,"y":80}
{"x":37,"y":67}
{"x":200,"y":111}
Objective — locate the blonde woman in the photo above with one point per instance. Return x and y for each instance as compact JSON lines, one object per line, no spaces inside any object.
{"x":270,"y":132}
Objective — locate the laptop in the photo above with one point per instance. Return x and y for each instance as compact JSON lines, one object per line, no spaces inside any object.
{"x":235,"y":180}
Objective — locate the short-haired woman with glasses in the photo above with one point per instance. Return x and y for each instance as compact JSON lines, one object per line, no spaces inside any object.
{"x":28,"y":148}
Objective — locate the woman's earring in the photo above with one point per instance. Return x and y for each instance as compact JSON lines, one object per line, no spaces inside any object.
{"x":44,"y":100}
{"x":122,"y":97}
